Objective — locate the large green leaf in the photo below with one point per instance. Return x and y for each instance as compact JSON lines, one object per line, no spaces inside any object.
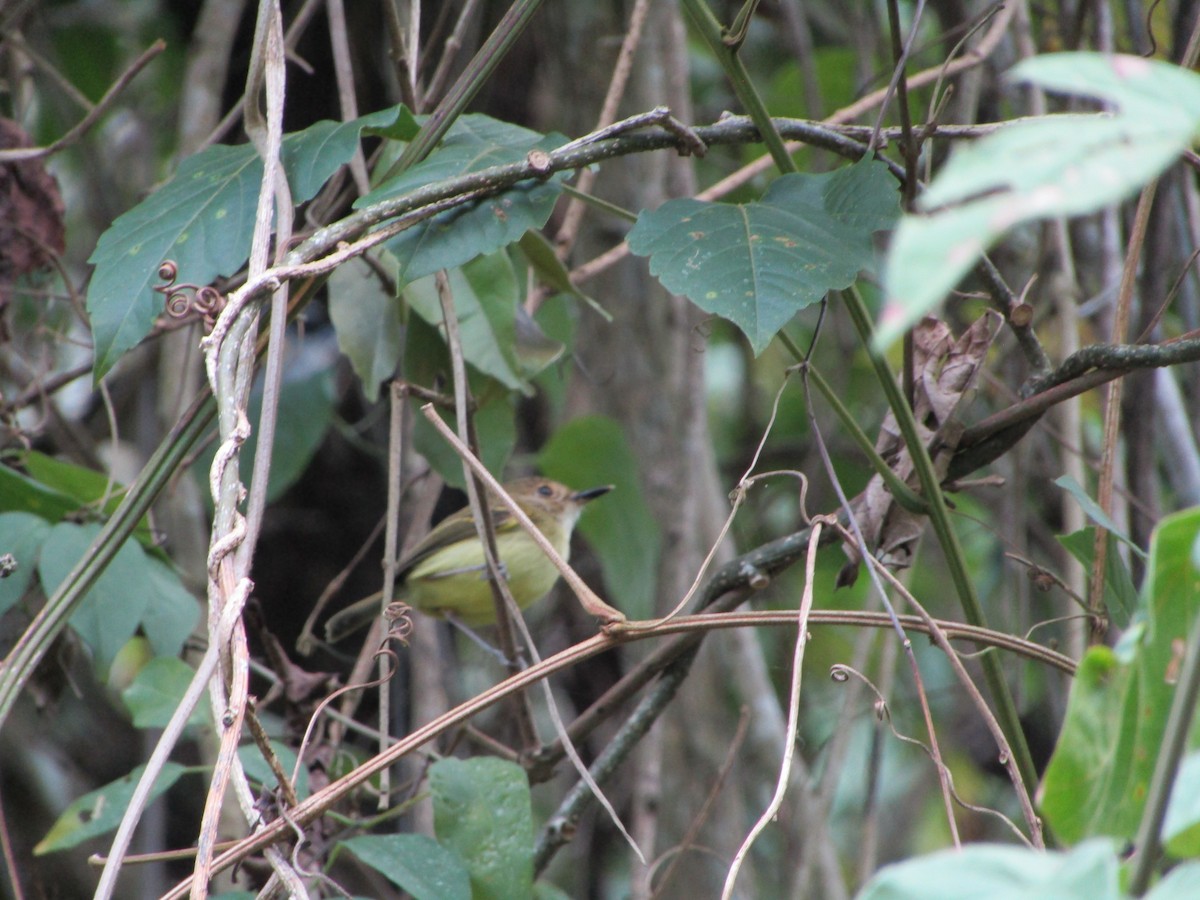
{"x":134,"y":590}
{"x":485,"y":293}
{"x":85,"y":487}
{"x":20,"y":493}
{"x":366,"y":317}
{"x":591,"y":451}
{"x":157,"y":690}
{"x":481,"y":810}
{"x":1097,"y":780}
{"x":203,"y":219}
{"x":1089,"y":776}
{"x":99,"y":812}
{"x":427,"y":362}
{"x":758,"y":264}
{"x":1063,"y":165}
{"x":457,"y":236}
{"x":21,"y":537}
{"x":415,"y":863}
{"x":1120,"y":595}
{"x":992,"y":872}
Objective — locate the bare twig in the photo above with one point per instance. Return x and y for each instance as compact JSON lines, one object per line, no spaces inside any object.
{"x":689,"y":839}
{"x":449,"y":55}
{"x":507,"y":611}
{"x":569,"y":229}
{"x":1112,"y":407}
{"x":344,"y":74}
{"x":19,"y":154}
{"x":1006,"y":756}
{"x":793,"y":715}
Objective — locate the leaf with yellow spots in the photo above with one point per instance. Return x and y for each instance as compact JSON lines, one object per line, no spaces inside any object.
{"x":203,"y":219}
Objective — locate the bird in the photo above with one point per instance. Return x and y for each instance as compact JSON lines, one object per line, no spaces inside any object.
{"x":446,"y":573}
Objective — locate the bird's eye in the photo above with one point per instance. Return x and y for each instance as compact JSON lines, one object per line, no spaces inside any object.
{"x":545,"y":490}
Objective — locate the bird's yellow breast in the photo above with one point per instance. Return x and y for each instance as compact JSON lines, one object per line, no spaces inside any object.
{"x":466,"y":592}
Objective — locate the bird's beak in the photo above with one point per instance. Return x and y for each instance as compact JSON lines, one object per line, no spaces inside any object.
{"x":591,"y":493}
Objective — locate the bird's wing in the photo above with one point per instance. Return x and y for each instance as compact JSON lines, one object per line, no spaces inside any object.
{"x":451,"y":530}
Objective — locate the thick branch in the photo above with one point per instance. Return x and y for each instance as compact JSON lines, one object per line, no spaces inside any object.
{"x":986,"y":441}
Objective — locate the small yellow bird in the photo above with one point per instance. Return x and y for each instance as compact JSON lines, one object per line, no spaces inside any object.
{"x":446,"y":572}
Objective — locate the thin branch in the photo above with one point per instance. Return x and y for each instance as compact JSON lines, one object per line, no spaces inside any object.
{"x":19,"y":154}
{"x":701,"y":817}
{"x":573,"y":216}
{"x":1006,"y":756}
{"x":344,"y":76}
{"x":1112,"y":408}
{"x":690,"y":629}
{"x":1088,"y":368}
{"x":506,"y":607}
{"x":793,"y":715}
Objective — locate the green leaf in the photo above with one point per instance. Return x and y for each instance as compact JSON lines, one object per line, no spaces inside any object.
{"x":99,"y":812}
{"x":414,"y":863}
{"x":20,"y":493}
{"x":591,"y":451}
{"x":110,"y":612}
{"x":80,"y":489}
{"x":1088,"y":778}
{"x":550,"y":270}
{"x":481,"y":810}
{"x":1181,"y":883}
{"x":366,"y":318}
{"x":534,"y":349}
{"x":306,"y":405}
{"x":545,"y":262}
{"x":157,"y":691}
{"x":21,"y":536}
{"x":558,"y":319}
{"x":454,"y":237}
{"x":134,"y":590}
{"x":170,"y":616}
{"x":1144,"y":89}
{"x":1065,"y":165}
{"x":995,"y":872}
{"x":495,"y":423}
{"x":203,"y":219}
{"x":87,"y":486}
{"x":1096,"y":782}
{"x":1120,"y":596}
{"x":485,"y":295}
{"x":1096,"y":513}
{"x":259,"y":770}
{"x":310,"y":156}
{"x":1181,"y":827}
{"x":758,"y":264}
